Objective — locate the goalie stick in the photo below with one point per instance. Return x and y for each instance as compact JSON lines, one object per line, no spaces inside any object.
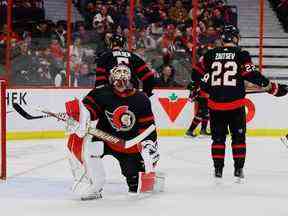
{"x":106,"y":137}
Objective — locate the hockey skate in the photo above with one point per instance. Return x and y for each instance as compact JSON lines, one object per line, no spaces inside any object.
{"x":284,"y":140}
{"x":190,"y":134}
{"x":218,"y":173}
{"x":239,"y":175}
{"x":204,"y":134}
{"x":91,"y":194}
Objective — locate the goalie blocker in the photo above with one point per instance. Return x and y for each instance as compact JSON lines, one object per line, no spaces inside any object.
{"x":123,"y":115}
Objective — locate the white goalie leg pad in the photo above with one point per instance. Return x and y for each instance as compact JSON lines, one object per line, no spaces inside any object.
{"x":150,"y":181}
{"x":159,"y":185}
{"x":150,"y":154}
{"x":94,"y":166}
{"x":284,"y":140}
{"x":84,"y":120}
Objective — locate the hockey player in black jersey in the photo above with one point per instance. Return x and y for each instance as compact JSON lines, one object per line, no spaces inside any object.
{"x":201,"y":113}
{"x":221,"y":73}
{"x":117,"y":55}
{"x":123,"y":112}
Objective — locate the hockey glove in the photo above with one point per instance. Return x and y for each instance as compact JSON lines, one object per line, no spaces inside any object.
{"x":193,"y":94}
{"x":278,"y":90}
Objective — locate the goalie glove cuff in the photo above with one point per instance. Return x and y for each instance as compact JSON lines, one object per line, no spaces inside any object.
{"x":77,"y":111}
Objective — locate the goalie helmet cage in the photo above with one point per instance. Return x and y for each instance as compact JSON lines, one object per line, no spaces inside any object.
{"x":3,"y":129}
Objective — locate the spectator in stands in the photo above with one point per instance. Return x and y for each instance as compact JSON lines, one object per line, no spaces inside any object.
{"x":103,"y":17}
{"x":99,"y":39}
{"x":84,"y":78}
{"x":140,"y":20}
{"x":178,"y":13}
{"x":166,"y":78}
{"x":144,"y":42}
{"x":209,"y":36}
{"x":124,"y":19}
{"x":82,"y":33}
{"x":89,"y":14}
{"x":77,"y":54}
{"x":21,"y":66}
{"x":218,"y":19}
{"x":60,"y":33}
{"x":282,"y":10}
{"x":46,"y":69}
{"x":167,"y":41}
{"x":56,"y":50}
{"x":3,"y":36}
{"x":41,"y":35}
{"x":157,"y":29}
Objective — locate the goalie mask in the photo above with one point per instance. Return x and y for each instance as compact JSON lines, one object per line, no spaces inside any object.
{"x":120,"y":77}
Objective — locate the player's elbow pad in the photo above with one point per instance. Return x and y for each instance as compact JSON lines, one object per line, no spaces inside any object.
{"x":278,"y":90}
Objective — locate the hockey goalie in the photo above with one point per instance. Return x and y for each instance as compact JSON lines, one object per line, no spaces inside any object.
{"x":123,"y":112}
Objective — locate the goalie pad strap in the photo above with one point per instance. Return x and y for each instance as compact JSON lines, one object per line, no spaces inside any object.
{"x":146,"y":182}
{"x":151,"y":182}
{"x":75,"y":146}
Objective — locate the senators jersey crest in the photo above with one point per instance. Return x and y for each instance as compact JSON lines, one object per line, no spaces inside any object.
{"x":122,"y":119}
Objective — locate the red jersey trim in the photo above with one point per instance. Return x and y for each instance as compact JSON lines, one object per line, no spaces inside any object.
{"x":199,"y":69}
{"x":218,"y":156}
{"x":239,"y":156}
{"x":151,"y":73}
{"x":99,"y":78}
{"x":141,"y":68}
{"x":100,"y":69}
{"x":91,"y":99}
{"x":219,"y":146}
{"x":92,"y":111}
{"x":146,"y":119}
{"x":228,"y":105}
{"x":239,"y":146}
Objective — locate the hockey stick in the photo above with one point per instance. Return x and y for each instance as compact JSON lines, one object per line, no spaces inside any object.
{"x":24,"y":114}
{"x":256,"y":92}
{"x":106,"y":137}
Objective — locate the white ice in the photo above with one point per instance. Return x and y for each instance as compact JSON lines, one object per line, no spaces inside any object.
{"x":39,"y":182}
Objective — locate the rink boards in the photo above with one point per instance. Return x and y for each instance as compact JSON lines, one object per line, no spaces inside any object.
{"x":173,"y":112}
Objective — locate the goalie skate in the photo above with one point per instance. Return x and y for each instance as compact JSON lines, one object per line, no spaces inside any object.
{"x":91,"y":194}
{"x":284,"y":140}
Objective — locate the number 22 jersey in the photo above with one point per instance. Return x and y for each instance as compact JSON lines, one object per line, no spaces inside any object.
{"x":222,"y":72}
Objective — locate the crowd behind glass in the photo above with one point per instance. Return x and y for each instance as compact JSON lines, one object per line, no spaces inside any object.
{"x":162,"y":36}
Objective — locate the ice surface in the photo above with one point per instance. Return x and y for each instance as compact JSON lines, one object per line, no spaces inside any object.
{"x":39,"y":182}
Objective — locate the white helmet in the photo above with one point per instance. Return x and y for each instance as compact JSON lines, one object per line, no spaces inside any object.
{"x":120,"y":76}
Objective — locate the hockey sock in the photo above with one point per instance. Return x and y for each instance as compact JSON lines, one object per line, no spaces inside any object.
{"x":195,"y":123}
{"x":218,"y":154}
{"x":204,"y":123}
{"x":239,"y":154}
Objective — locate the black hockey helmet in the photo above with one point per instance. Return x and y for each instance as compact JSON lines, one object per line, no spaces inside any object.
{"x":228,"y":33}
{"x":117,"y":40}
